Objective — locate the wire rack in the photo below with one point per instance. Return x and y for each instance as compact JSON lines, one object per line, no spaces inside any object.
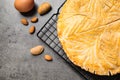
{"x":48,"y":34}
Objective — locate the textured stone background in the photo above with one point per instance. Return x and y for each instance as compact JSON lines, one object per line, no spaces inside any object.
{"x":16,"y":62}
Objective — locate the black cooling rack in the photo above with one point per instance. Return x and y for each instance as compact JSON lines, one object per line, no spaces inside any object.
{"x":48,"y":34}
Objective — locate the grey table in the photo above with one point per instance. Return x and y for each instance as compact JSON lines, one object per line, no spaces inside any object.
{"x":16,"y":62}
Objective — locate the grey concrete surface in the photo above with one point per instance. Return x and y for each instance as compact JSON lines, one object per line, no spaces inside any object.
{"x":16,"y":62}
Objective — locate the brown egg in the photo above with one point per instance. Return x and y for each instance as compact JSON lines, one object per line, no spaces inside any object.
{"x":24,"y":5}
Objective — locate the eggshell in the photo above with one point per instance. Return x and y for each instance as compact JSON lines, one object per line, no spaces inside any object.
{"x":24,"y":5}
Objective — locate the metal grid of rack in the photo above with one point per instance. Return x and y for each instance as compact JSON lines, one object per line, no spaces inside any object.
{"x":48,"y":34}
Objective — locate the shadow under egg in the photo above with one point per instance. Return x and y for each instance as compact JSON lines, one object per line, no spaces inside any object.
{"x":30,"y":13}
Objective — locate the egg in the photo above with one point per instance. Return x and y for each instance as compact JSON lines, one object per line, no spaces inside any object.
{"x":24,"y":5}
